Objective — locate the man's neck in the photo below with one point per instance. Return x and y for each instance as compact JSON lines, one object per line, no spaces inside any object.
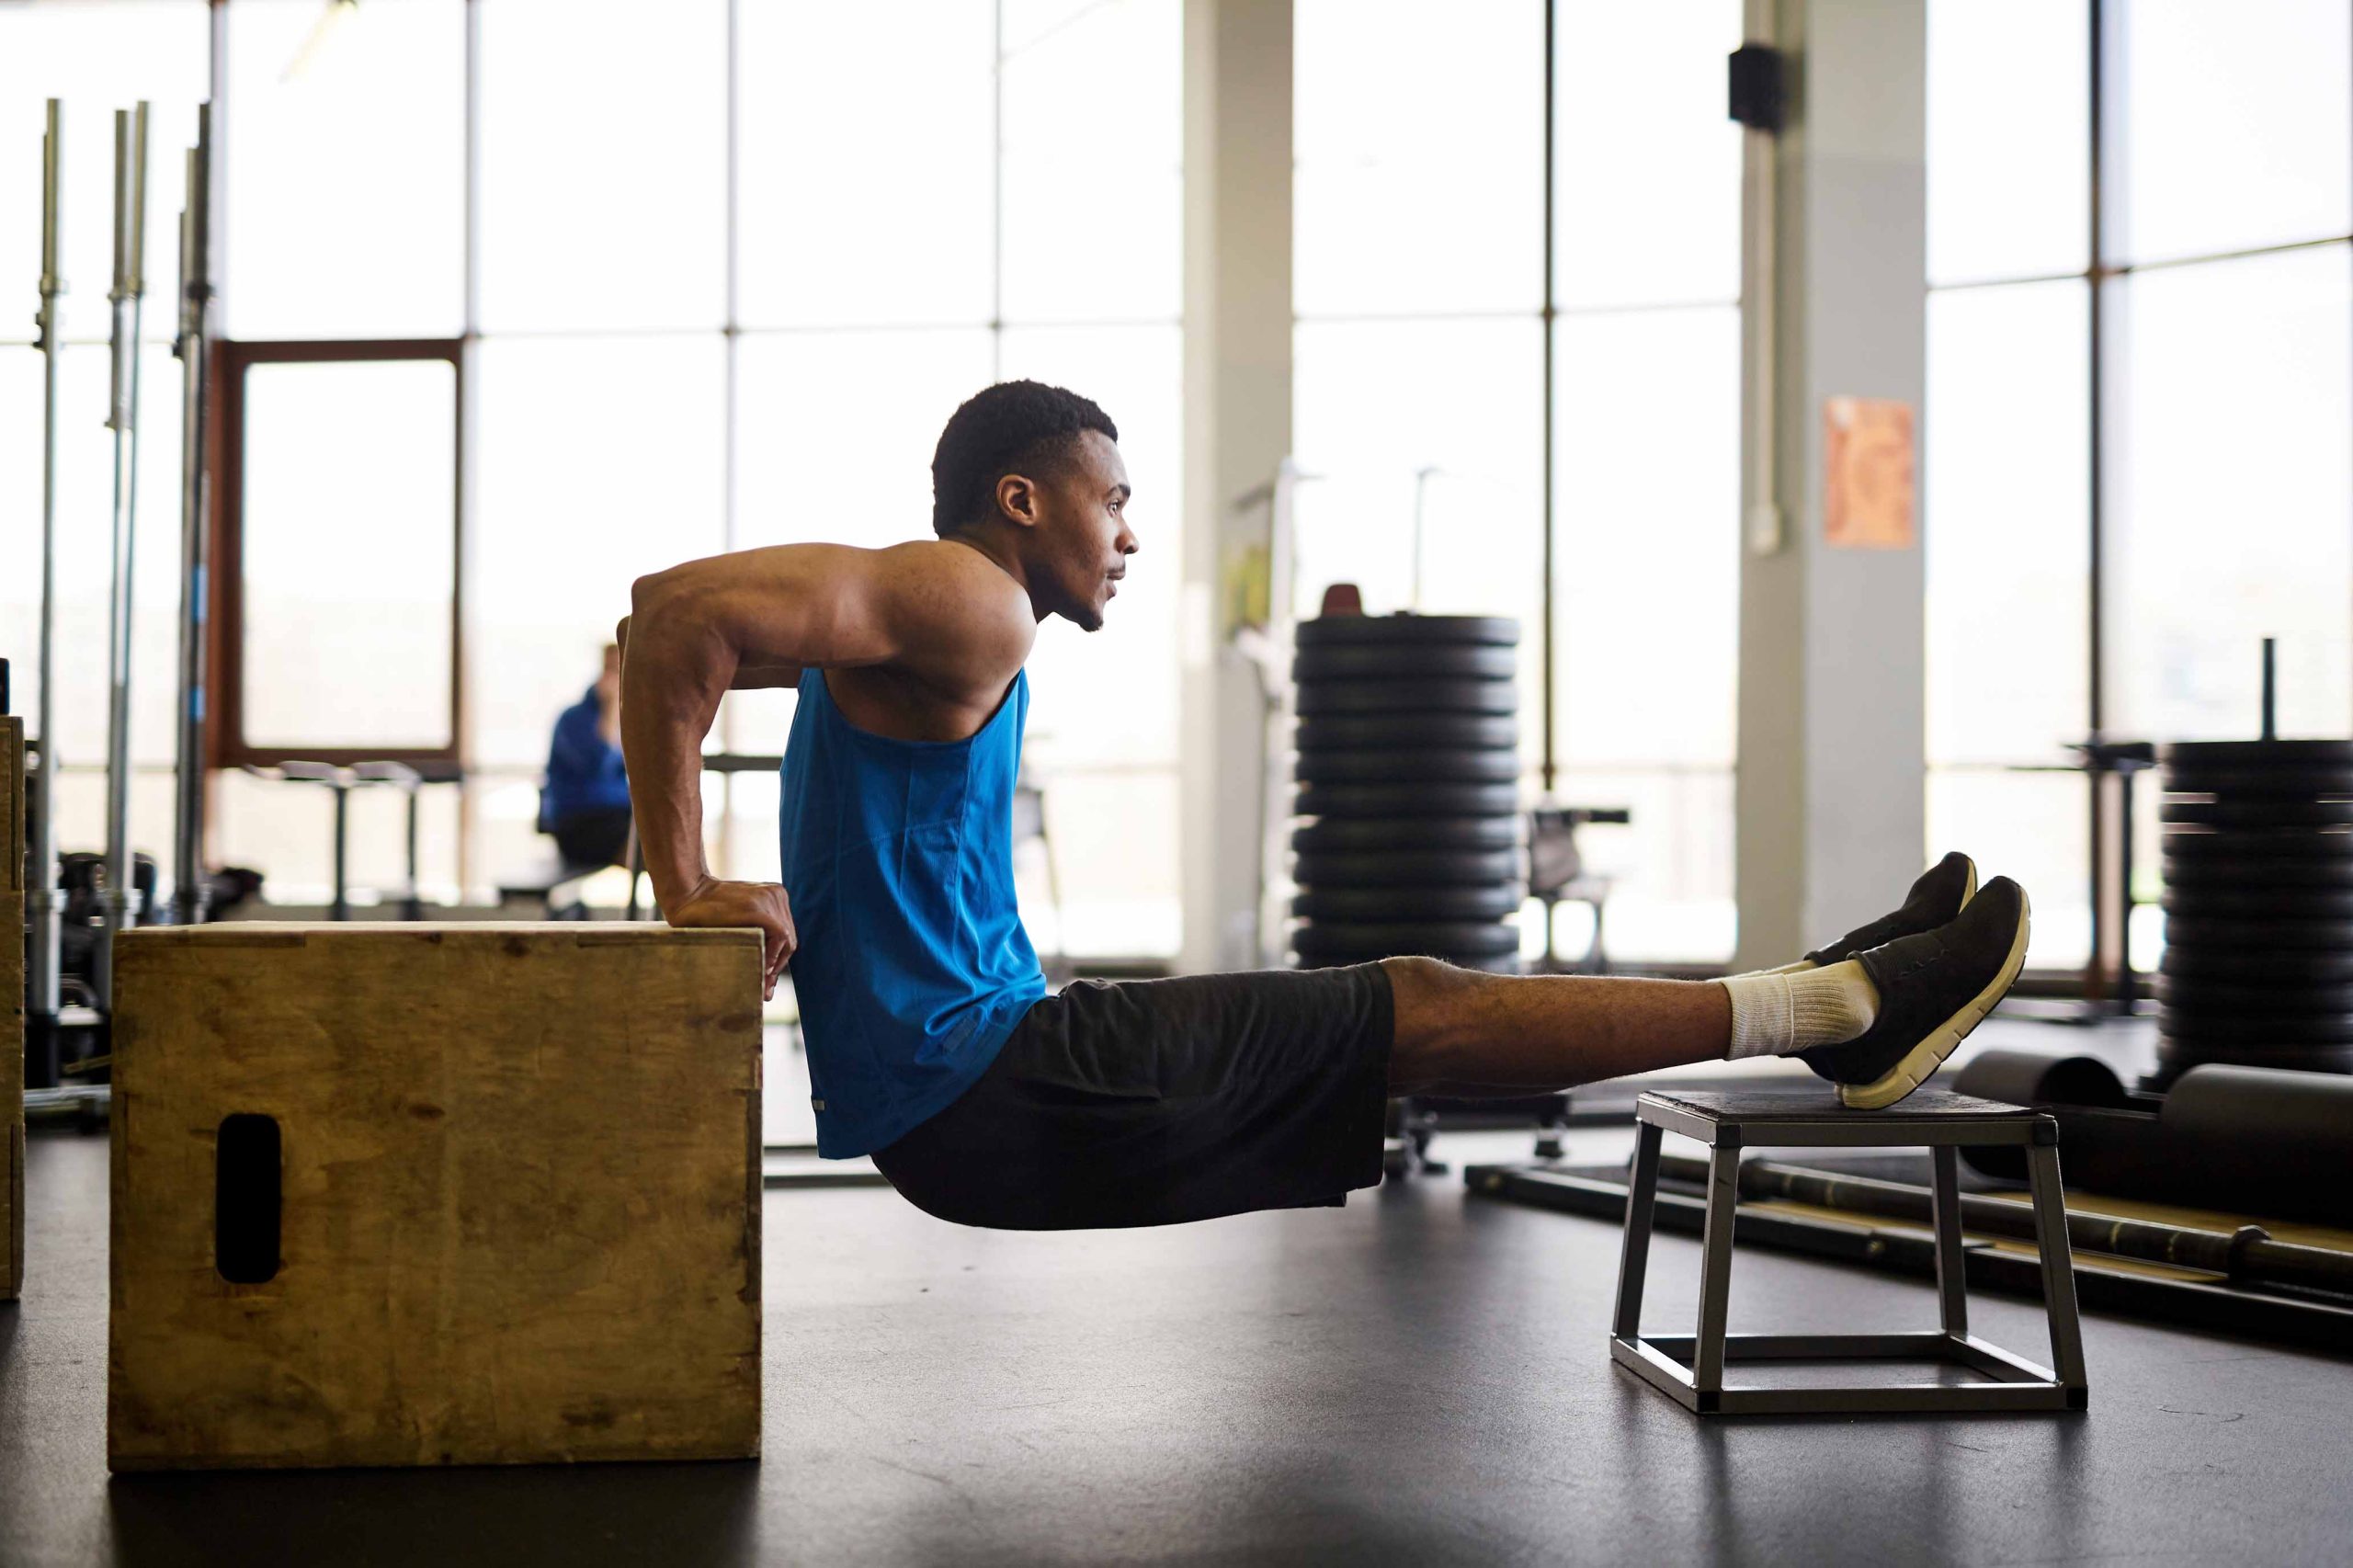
{"x":998,"y":553}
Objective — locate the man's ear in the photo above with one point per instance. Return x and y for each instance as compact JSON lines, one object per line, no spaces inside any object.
{"x":1017,"y":500}
{"x":621,"y":640}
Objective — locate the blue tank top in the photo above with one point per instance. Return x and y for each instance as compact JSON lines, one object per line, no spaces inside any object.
{"x":913,"y":965}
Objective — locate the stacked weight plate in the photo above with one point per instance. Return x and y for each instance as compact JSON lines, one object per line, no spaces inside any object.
{"x":2258,"y":898}
{"x":1408,"y":777}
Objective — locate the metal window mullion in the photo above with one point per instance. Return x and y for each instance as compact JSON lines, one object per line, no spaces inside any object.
{"x":997,"y":193}
{"x":729,"y":392}
{"x":2104,"y":390}
{"x":2106,"y":213}
{"x":1551,"y":760}
{"x":469,"y":446}
{"x":731,"y":322}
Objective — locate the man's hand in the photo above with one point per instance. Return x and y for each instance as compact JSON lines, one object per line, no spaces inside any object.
{"x":731,"y":904}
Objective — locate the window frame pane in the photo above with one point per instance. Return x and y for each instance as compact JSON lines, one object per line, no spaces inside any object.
{"x":226,"y":740}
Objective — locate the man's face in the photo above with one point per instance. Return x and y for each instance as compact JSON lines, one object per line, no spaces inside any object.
{"x":1082,"y":532}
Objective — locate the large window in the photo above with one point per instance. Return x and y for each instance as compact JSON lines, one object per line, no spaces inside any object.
{"x":1426,"y":325}
{"x":2141,"y":381}
{"x":719,"y":270}
{"x":95,"y":59}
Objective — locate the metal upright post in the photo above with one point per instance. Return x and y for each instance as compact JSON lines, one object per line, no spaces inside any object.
{"x":1634,"y":1260}
{"x":1715,"y":1268}
{"x":2049,"y":1197}
{"x":42,"y":899}
{"x":193,"y":351}
{"x":119,"y":905}
{"x":1943,"y":1219}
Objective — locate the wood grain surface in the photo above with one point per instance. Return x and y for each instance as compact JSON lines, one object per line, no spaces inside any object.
{"x":519,"y":1213}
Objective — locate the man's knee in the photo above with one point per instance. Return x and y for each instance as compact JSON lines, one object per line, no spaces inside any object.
{"x":1432,"y":1017}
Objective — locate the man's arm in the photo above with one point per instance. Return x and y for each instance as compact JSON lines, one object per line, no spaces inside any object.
{"x":756,"y":673}
{"x":694,"y":629}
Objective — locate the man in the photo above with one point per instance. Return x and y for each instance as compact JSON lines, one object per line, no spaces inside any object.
{"x":932,"y":1044}
{"x":585,"y":801}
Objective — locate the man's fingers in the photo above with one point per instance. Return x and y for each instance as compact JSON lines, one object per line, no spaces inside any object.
{"x":772,"y":964}
{"x":737,"y":905}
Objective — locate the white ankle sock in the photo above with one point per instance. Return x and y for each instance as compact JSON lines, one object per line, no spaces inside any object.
{"x":1778,"y":1012}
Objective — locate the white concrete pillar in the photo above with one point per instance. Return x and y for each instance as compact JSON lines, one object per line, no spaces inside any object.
{"x":1237,"y":429}
{"x":1831,"y":795}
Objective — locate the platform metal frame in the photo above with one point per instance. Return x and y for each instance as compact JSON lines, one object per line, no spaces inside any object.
{"x":1690,"y":1369}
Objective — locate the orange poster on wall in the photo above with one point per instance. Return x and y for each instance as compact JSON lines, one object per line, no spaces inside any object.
{"x":1866,"y":474}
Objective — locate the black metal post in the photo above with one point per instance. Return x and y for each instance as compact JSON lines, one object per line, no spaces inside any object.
{"x":413,"y":907}
{"x":2128,"y":985}
{"x":341,"y":908}
{"x":1944,"y":1218}
{"x":2270,"y":687}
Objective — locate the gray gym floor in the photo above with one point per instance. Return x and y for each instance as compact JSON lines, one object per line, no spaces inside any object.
{"x":1417,"y":1379}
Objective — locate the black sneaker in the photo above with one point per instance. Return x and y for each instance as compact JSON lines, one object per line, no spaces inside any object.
{"x":1933,"y":989}
{"x":1943,"y":891}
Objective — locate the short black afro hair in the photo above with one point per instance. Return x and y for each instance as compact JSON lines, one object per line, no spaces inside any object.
{"x":999,"y":430}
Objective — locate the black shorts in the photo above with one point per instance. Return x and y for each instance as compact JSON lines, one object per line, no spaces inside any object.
{"x":1154,"y":1102}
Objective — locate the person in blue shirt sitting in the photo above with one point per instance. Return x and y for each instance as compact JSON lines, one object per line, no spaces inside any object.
{"x":585,"y":802}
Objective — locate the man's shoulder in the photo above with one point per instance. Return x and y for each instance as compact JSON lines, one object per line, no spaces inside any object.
{"x":946,"y":560}
{"x":961,"y":598}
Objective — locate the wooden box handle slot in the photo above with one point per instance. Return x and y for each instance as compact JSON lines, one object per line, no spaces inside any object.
{"x":246,"y":1198}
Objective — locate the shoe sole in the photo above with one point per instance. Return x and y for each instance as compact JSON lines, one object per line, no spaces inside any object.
{"x":1920,"y":1064}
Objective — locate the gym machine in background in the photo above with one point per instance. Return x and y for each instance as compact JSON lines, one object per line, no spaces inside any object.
{"x":192,"y":348}
{"x":42,"y":896}
{"x":1406,"y":833}
{"x":119,"y":902}
{"x":111,"y":892}
{"x":1412,"y":838}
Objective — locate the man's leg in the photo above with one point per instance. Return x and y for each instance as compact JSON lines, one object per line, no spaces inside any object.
{"x":1469,"y":1035}
{"x":1876,"y":1024}
{"x":1464,"y":1033}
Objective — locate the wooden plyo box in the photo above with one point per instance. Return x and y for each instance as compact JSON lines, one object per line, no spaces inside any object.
{"x":11,"y":1008}
{"x":503,"y":1207}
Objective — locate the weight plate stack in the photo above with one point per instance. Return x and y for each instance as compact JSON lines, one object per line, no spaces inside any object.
{"x":1410,"y":838}
{"x":2258,"y":898}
